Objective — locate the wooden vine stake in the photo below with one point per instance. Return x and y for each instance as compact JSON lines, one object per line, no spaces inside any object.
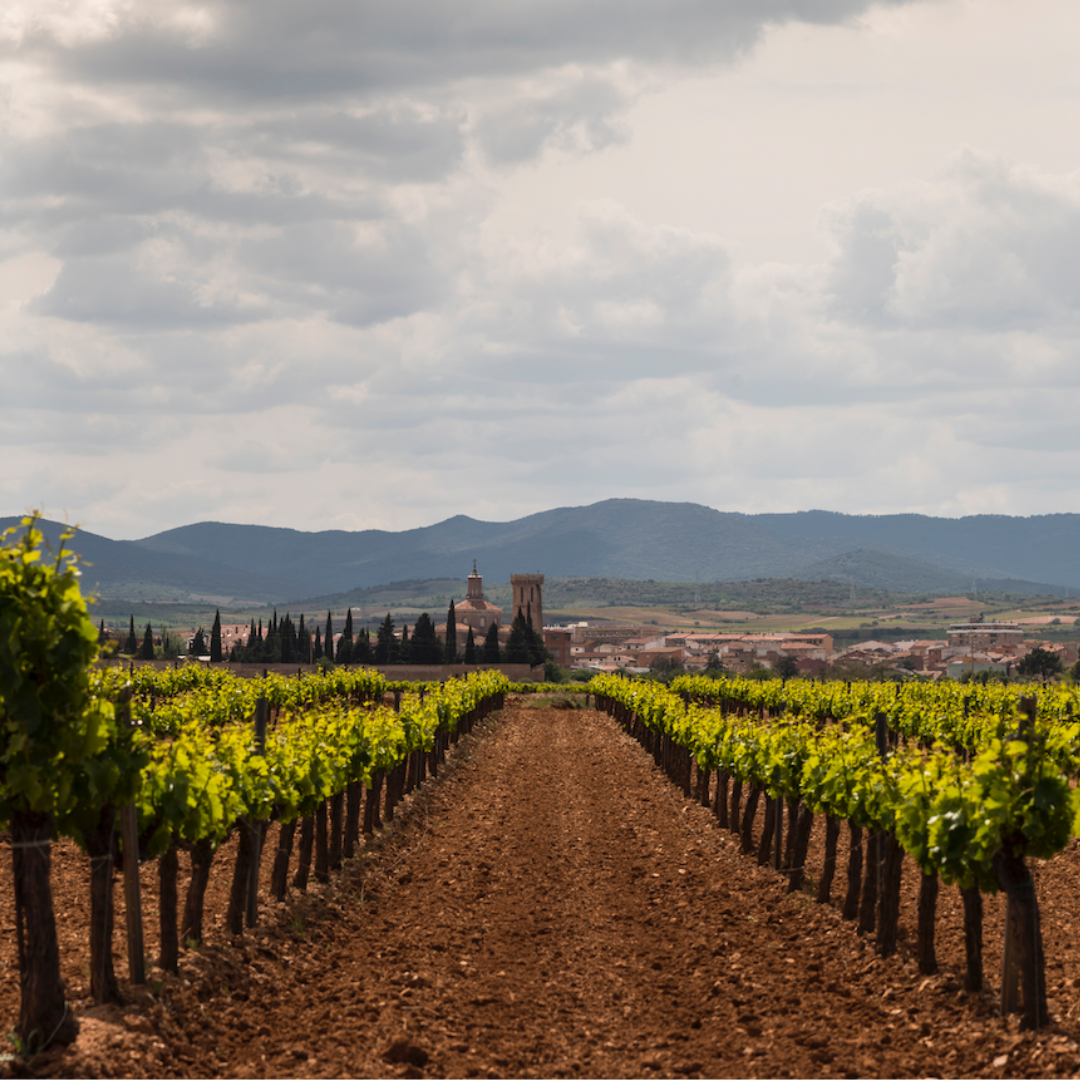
{"x":252,"y":910}
{"x":778,"y":833}
{"x":129,"y":832}
{"x":889,"y":865}
{"x":1022,"y":961}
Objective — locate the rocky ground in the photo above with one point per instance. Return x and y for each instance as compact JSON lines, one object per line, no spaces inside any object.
{"x":553,"y":906}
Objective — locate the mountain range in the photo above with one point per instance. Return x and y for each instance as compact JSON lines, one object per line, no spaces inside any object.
{"x":618,"y":538}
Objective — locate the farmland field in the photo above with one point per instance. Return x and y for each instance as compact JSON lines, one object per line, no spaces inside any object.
{"x":553,"y":906}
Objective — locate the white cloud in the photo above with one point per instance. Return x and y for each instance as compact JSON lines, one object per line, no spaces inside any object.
{"x":989,"y":246}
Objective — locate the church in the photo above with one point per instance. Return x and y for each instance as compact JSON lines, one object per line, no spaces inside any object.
{"x":474,"y":610}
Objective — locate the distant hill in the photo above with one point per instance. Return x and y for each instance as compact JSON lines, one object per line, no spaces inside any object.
{"x":878,"y":569}
{"x":124,"y":569}
{"x":1040,"y":548}
{"x":627,"y":539}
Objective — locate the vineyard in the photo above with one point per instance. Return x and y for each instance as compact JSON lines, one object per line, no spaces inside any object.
{"x":969,"y":784}
{"x":197,"y":825}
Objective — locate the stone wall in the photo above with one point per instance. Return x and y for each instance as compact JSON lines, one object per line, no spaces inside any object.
{"x":393,"y":672}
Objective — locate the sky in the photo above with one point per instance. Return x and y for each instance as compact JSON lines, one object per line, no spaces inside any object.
{"x":353,"y":265}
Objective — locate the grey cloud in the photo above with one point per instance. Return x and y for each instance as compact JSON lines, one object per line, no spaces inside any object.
{"x":136,"y":168}
{"x":579,"y":117}
{"x":865,"y":270}
{"x":279,"y":49}
{"x":67,"y":181}
{"x":98,"y":235}
{"x":395,"y":144}
{"x":357,"y":279}
{"x":113,"y":290}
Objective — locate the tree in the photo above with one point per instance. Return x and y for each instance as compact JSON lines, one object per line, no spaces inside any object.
{"x":197,"y":645}
{"x":665,"y":667}
{"x":215,"y":639}
{"x":555,"y":673}
{"x":714,"y":667}
{"x":362,"y":652}
{"x":168,"y":645}
{"x":303,"y":643}
{"x":470,"y":648}
{"x":404,"y":645}
{"x":517,"y":645}
{"x":538,"y":653}
{"x":328,"y":637}
{"x":386,"y":643}
{"x":146,"y":649}
{"x":450,"y":656}
{"x":787,"y":667}
{"x":1040,"y":664}
{"x":131,"y":643}
{"x":317,"y":647}
{"x":426,"y":647}
{"x":102,"y":634}
{"x":345,"y":643}
{"x":491,"y":654}
{"x":287,"y":651}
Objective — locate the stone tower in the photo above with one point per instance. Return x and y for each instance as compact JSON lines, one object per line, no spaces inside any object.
{"x":526,"y":591}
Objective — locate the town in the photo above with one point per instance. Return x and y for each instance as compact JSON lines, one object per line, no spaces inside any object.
{"x":977,"y":647}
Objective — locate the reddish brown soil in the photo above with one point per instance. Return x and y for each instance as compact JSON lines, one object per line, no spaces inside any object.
{"x":552,"y":906}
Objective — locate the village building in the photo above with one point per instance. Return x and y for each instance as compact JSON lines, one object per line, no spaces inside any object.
{"x":557,"y":643}
{"x":985,"y":636}
{"x":474,"y":611}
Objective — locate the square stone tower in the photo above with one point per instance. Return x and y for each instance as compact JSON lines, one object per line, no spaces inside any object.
{"x":526,"y":591}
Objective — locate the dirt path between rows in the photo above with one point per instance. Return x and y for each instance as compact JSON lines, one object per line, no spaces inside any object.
{"x":552,"y":906}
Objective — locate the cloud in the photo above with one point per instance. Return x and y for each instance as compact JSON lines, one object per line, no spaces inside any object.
{"x":990,"y":247}
{"x":582,"y":115}
{"x":266,"y":267}
{"x":330,"y":47}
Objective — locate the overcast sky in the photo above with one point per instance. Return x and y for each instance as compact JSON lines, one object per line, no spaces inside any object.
{"x":371,"y":263}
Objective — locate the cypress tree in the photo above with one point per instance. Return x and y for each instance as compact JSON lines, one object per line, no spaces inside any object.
{"x":215,"y":639}
{"x":517,"y":647}
{"x":328,"y":637}
{"x":362,"y":648}
{"x":385,"y":651}
{"x":146,"y":649}
{"x":426,"y":648}
{"x":537,"y":650}
{"x":102,"y":636}
{"x":197,"y":645}
{"x":271,"y":647}
{"x":345,"y":644}
{"x":491,"y":653}
{"x":131,"y":645}
{"x":287,"y":640}
{"x":316,"y":649}
{"x":304,"y":647}
{"x":470,"y":648}
{"x":450,"y":656}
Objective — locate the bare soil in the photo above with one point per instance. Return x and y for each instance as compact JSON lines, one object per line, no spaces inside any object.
{"x":552,"y":906}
